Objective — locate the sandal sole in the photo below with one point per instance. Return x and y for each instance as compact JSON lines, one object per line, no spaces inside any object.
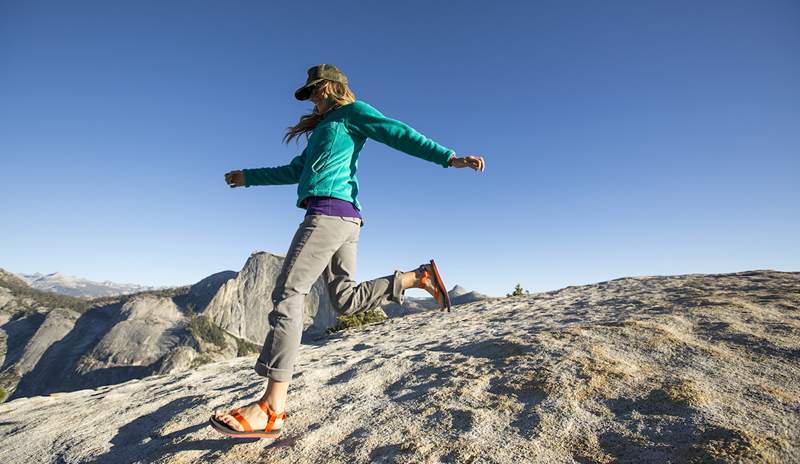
{"x":440,"y":284}
{"x":225,"y":430}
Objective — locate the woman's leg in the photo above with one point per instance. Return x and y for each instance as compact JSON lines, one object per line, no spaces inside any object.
{"x":349,"y":297}
{"x":312,"y":247}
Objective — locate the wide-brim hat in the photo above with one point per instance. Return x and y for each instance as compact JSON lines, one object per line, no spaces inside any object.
{"x":317,"y":74}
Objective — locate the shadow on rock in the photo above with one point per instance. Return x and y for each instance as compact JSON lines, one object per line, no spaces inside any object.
{"x":56,"y":370}
{"x":418,"y":384}
{"x":661,"y":429}
{"x":529,"y":394}
{"x":386,"y":453}
{"x":496,"y":350}
{"x":18,"y":332}
{"x":139,"y":440}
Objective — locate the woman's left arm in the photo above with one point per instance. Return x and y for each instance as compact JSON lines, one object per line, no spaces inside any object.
{"x":369,"y":122}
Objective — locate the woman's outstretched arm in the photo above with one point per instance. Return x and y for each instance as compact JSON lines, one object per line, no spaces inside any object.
{"x":369,"y":122}
{"x":279,"y":175}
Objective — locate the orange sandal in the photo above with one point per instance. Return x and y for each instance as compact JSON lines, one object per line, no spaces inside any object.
{"x":268,"y":431}
{"x":438,"y":285}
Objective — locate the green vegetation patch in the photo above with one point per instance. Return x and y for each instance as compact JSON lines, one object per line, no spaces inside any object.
{"x":244,"y":348}
{"x":358,"y":320}
{"x":202,"y":329}
{"x":200,"y":360}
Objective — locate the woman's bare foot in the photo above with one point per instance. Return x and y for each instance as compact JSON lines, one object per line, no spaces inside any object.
{"x":413,"y":279}
{"x":253,"y":414}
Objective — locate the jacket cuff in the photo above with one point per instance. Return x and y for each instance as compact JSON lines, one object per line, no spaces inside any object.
{"x":244,"y":176}
{"x":449,"y":157}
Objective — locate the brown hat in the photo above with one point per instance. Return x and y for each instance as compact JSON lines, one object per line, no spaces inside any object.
{"x":319,"y":73}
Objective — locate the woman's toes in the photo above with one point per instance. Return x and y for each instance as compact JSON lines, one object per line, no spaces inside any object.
{"x":231,"y":422}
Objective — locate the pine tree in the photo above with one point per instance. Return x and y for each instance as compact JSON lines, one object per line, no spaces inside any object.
{"x":518,"y":290}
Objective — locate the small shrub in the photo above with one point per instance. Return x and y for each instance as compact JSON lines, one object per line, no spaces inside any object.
{"x":518,"y":291}
{"x":3,"y":394}
{"x":358,"y":320}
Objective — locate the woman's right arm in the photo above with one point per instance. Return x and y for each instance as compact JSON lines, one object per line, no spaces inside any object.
{"x":280,"y":175}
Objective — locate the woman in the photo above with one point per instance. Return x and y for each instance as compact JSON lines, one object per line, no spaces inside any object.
{"x":327,"y":238}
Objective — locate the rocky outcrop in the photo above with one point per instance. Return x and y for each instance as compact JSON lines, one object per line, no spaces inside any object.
{"x":57,"y":368}
{"x":6,"y":297}
{"x":16,"y":333}
{"x":148,"y":328}
{"x":201,"y":293}
{"x":9,"y":279}
{"x":56,"y":325}
{"x":13,"y":296}
{"x":47,"y":329}
{"x":682,"y":369}
{"x":242,"y":304}
{"x":178,"y":360}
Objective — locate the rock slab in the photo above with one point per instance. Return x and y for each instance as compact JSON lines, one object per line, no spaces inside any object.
{"x":696,"y":368}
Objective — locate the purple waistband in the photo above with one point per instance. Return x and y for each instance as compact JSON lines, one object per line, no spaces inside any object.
{"x":330,"y":207}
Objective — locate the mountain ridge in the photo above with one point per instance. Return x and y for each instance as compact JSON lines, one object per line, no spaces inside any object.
{"x":58,"y":282}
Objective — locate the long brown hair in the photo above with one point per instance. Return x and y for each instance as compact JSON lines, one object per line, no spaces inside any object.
{"x":336,"y":93}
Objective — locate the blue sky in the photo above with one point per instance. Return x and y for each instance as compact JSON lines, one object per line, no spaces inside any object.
{"x":621,"y":138}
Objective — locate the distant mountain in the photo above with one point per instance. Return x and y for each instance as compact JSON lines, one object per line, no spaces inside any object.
{"x":458,"y":295}
{"x":17,"y":299}
{"x":79,"y":287}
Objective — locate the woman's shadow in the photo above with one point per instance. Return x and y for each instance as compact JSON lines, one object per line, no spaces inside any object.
{"x":139,"y":440}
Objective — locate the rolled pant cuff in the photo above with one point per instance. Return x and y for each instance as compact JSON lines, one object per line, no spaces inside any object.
{"x":397,"y":287}
{"x":278,"y":375}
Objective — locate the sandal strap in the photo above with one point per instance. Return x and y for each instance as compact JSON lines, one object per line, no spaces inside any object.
{"x":426,"y":276}
{"x":238,"y":416}
{"x":273,"y":416}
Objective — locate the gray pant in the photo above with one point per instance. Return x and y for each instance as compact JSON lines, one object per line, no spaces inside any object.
{"x":322,"y":244}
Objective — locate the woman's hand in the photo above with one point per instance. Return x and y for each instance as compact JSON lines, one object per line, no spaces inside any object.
{"x":470,"y":161}
{"x":234,"y":179}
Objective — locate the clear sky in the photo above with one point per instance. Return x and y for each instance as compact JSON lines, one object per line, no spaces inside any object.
{"x":621,"y":138}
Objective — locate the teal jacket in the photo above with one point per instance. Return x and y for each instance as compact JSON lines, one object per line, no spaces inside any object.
{"x":327,"y":166}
